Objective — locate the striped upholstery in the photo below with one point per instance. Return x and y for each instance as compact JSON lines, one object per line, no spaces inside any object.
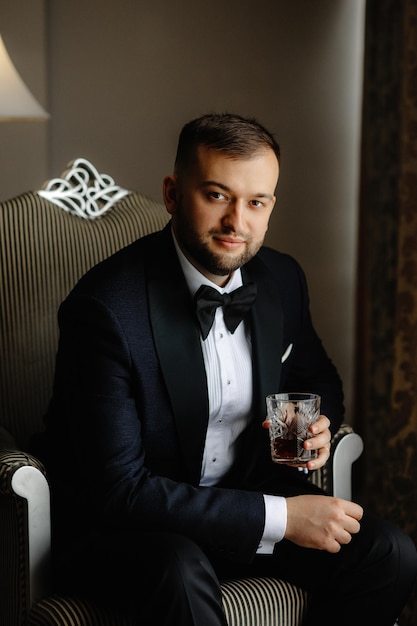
{"x":14,"y":599}
{"x":263,"y":602}
{"x":63,"y":611}
{"x":43,"y":251}
{"x":247,"y":602}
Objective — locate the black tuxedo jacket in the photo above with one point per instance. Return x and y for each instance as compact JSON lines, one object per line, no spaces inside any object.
{"x":127,"y":421}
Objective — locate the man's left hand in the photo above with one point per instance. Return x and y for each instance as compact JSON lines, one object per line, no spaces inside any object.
{"x":320,"y":441}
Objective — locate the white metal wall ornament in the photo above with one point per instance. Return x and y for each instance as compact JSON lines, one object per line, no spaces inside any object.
{"x":82,"y":190}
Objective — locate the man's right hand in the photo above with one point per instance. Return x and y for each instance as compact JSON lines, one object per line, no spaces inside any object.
{"x":321,"y":522}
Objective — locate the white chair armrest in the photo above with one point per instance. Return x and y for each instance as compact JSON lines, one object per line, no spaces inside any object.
{"x":347,"y":451}
{"x":29,"y":483}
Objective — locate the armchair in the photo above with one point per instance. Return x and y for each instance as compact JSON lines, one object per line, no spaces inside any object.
{"x":48,"y":239}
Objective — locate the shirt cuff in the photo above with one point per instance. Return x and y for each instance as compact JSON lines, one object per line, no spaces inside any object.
{"x":275,"y":523}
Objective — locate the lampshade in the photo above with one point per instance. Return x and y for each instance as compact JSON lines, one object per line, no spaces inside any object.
{"x":16,"y":101}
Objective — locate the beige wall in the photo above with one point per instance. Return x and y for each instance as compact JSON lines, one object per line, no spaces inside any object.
{"x":23,"y":145}
{"x":124,"y":75}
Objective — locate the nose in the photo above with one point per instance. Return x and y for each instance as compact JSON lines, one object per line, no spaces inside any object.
{"x":234,"y":216}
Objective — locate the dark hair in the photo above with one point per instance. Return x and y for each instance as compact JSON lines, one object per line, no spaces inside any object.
{"x":226,"y":132}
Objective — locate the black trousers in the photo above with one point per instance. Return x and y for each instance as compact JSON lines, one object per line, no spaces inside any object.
{"x":166,"y":579}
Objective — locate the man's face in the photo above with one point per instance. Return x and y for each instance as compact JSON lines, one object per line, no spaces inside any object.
{"x":221,"y":208}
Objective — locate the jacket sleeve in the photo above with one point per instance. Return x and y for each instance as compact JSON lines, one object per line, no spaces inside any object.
{"x":105,"y":413}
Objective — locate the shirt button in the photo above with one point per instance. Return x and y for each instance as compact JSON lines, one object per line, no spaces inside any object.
{"x":228,"y":382}
{"x":214,"y":460}
{"x":221,"y":335}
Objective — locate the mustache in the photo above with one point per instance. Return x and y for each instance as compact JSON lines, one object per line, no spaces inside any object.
{"x":231,"y":233}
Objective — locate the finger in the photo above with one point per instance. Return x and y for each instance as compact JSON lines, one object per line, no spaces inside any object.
{"x":324,"y":452}
{"x":353,"y":510}
{"x":327,"y":420}
{"x":353,"y":513}
{"x":353,"y":526}
{"x":333,"y":546}
{"x":344,"y":538}
{"x":321,"y":425}
{"x":320,"y":460}
{"x":318,"y":442}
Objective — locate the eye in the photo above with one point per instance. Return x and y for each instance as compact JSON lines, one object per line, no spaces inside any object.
{"x":257,"y":204}
{"x":216,"y":195}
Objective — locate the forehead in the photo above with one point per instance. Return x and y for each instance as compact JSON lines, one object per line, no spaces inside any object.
{"x":217,"y":166}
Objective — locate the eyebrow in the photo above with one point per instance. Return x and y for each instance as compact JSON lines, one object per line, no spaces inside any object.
{"x":208,"y":183}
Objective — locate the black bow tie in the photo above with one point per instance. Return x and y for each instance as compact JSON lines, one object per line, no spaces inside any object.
{"x":235,"y":306}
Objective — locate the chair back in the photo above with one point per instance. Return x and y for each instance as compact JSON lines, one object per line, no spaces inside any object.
{"x":48,"y":240}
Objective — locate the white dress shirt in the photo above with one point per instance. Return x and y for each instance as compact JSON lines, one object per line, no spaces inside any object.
{"x":228,"y":363}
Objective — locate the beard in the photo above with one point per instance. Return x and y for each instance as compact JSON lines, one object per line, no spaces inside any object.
{"x":198,"y":251}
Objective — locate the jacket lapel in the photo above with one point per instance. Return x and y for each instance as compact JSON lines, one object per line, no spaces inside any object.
{"x":177,"y":343}
{"x":267,"y":334}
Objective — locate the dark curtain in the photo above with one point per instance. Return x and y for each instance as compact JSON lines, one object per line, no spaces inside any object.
{"x":386,"y":347}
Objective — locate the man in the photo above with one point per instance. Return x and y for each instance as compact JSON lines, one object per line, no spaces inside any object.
{"x":170,"y":487}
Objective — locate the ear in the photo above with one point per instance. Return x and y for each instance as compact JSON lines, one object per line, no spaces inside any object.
{"x":170,"y":192}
